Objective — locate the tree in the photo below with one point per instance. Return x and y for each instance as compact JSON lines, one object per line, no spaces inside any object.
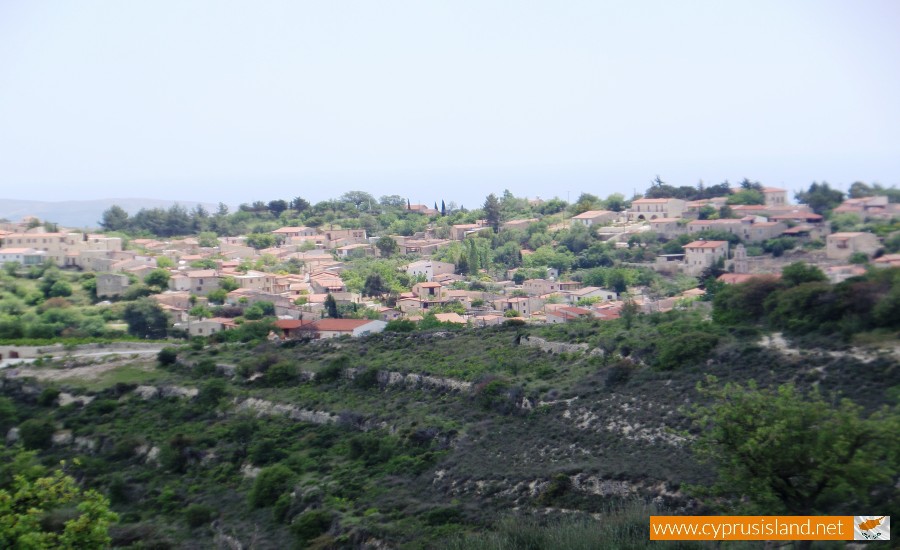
{"x":777,"y":451}
{"x":395,"y":202}
{"x":359,"y":199}
{"x":820,"y":197}
{"x":374,"y":286}
{"x":158,"y":278}
{"x":206,"y":239}
{"x":443,"y":208}
{"x":52,"y":511}
{"x":859,"y":190}
{"x":146,"y":319}
{"x":276,"y":207}
{"x":299,"y":204}
{"x":37,"y":433}
{"x":747,"y":196}
{"x":387,"y":246}
{"x":60,"y":289}
{"x":115,"y":218}
{"x":615,"y":202}
{"x":800,"y":272}
{"x":492,"y":211}
{"x":270,"y":484}
{"x":629,"y":311}
{"x":261,"y":240}
{"x":331,"y":307}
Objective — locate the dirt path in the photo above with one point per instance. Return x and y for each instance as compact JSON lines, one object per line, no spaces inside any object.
{"x":776,"y":340}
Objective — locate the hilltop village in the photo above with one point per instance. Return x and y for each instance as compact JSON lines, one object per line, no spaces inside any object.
{"x":352,"y":266}
{"x":375,"y":373}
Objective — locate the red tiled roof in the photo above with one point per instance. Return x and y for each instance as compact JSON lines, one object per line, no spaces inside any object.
{"x":705,"y":244}
{"x":291,"y":324}
{"x":340,"y":325}
{"x":590,"y":214}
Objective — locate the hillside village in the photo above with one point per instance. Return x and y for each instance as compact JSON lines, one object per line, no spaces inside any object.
{"x":534,"y":261}
{"x":365,"y":373}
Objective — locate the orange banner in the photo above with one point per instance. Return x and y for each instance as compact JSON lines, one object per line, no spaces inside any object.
{"x":751,"y":527}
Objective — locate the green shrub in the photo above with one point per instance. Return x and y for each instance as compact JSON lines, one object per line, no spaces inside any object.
{"x":366,"y":379}
{"x":36,"y":434}
{"x":48,"y":397}
{"x":198,"y":515}
{"x":270,"y":484}
{"x":310,"y":525}
{"x":690,"y":347}
{"x":167,"y":356}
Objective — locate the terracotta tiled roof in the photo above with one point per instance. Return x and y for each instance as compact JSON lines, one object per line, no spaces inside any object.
{"x":340,"y":325}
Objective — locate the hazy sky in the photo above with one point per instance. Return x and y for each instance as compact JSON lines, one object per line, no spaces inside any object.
{"x":242,"y":101}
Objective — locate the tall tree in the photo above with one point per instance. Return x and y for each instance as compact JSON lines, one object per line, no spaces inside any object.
{"x":820,"y":197}
{"x":115,"y":218}
{"x":276,"y":207}
{"x":331,"y":306}
{"x":780,"y":452}
{"x":387,"y":246}
{"x":146,"y":319}
{"x":492,"y":211}
{"x":443,"y":208}
{"x":31,"y":508}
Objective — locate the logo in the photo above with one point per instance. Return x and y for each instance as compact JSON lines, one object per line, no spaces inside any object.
{"x":871,"y":527}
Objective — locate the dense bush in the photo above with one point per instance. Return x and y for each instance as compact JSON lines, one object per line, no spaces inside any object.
{"x":270,"y":484}
{"x":36,"y":434}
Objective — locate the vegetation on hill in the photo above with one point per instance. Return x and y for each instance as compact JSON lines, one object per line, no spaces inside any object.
{"x":430,"y":438}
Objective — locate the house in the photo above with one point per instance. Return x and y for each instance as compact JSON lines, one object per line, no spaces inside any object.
{"x":840,"y":273}
{"x":595,"y":217}
{"x":294,"y":328}
{"x":180,"y":300}
{"x":693,"y":207}
{"x":888,"y":260}
{"x":389,"y":314}
{"x":590,"y":293}
{"x":355,"y":250}
{"x":566,"y":314}
{"x":22,"y":256}
{"x":340,"y":237}
{"x":422,"y":209}
{"x":451,"y":317}
{"x":523,"y":305}
{"x":668,"y":227}
{"x":324,"y":282}
{"x":700,"y":255}
{"x":290,"y":232}
{"x":61,"y":248}
{"x":747,"y":228}
{"x":200,"y":282}
{"x":110,"y":285}
{"x":422,"y":247}
{"x":775,"y":196}
{"x":488,"y":320}
{"x":519,"y":224}
{"x":257,"y":280}
{"x":869,"y":207}
{"x":649,"y":209}
{"x":334,"y":328}
{"x":840,"y":246}
{"x":739,"y":278}
{"x":429,"y":268}
{"x":538,"y":287}
{"x":431,"y":292}
{"x":206,"y":327}
{"x":460,"y":231}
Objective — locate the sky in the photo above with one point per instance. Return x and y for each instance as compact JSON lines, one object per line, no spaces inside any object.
{"x":442,"y":100}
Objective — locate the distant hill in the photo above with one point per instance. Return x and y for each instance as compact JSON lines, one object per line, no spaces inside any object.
{"x":81,"y":213}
